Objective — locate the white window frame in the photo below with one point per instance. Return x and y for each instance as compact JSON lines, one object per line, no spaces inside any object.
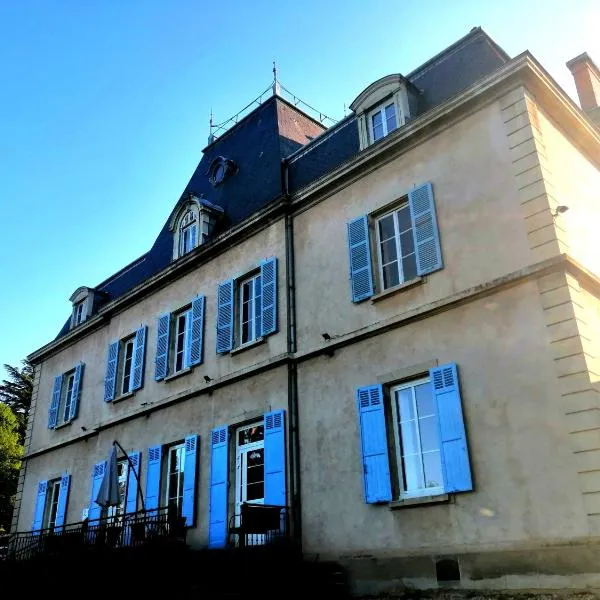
{"x":51,"y":504}
{"x":167,"y":487}
{"x":187,"y":314}
{"x":66,"y":394}
{"x":404,"y":494}
{"x":126,"y":343}
{"x":380,"y":109}
{"x":397,"y":234}
{"x":241,"y":452}
{"x":253,"y":333}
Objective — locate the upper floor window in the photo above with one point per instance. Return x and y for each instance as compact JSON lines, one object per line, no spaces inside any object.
{"x":396,"y":248}
{"x":64,"y":403}
{"x":382,"y":121}
{"x":179,"y":341}
{"x":247,"y":307}
{"x":406,"y":243}
{"x":125,"y":365}
{"x":250,"y":296}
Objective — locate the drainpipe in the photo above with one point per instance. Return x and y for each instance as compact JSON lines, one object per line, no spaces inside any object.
{"x":294,"y":442}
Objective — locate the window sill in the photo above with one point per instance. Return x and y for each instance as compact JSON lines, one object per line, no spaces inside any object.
{"x":124,"y":397}
{"x":178,"y":374}
{"x":65,"y":424}
{"x":247,"y":345}
{"x":397,"y":288}
{"x":421,"y":501}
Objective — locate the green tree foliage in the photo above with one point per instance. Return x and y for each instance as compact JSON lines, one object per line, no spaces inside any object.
{"x":11,"y":451}
{"x":16,"y":393}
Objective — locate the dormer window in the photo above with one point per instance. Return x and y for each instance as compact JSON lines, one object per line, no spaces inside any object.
{"x":192,"y":223}
{"x":382,"y":120}
{"x":83,"y":305}
{"x":188,"y":233}
{"x":383,"y":107}
{"x":78,"y":317}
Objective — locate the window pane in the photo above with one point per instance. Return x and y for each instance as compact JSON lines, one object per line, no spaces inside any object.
{"x":377,"y":126}
{"x":407,"y":244}
{"x":386,"y":228}
{"x":413,"y":473}
{"x":403,"y":214}
{"x":405,"y":404}
{"x":246,"y":292}
{"x":173,"y":479}
{"x":424,"y":398}
{"x":410,"y":437}
{"x":253,"y":434}
{"x":390,"y":275}
{"x":433,"y":470}
{"x":390,"y":117}
{"x":388,"y":251}
{"x":409,"y":267}
{"x":429,"y":434}
{"x":255,"y":491}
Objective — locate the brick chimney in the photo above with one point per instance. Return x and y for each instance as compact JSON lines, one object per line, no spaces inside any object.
{"x":587,"y":80}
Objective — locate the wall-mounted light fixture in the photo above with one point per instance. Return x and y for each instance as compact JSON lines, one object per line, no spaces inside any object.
{"x":559,"y":210}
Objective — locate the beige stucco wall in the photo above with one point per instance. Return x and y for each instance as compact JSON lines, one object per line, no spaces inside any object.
{"x":574,"y":181}
{"x":478,"y":212}
{"x":523,"y":468}
{"x":92,"y":349}
{"x":236,"y":404}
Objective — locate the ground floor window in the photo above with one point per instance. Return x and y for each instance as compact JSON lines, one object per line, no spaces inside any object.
{"x":51,"y":504}
{"x":417,"y":439}
{"x":175,"y":464}
{"x":122,"y":472}
{"x":250,"y":465}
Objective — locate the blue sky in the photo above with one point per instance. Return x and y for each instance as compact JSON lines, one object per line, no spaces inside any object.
{"x":105,"y":105}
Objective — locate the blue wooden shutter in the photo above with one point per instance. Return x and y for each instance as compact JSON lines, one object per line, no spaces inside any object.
{"x":225,"y":317}
{"x":196,"y":331}
{"x":217,"y":527}
{"x":275,"y":491}
{"x":97,"y":475}
{"x":162,"y":347}
{"x":53,"y":410}
{"x":190,"y":469}
{"x":359,"y":249}
{"x":425,"y":229}
{"x":152,"y":499}
{"x":139,"y":357}
{"x":76,"y":394}
{"x":132,"y":482}
{"x":110,"y":376}
{"x":374,"y":447}
{"x":453,"y":439}
{"x":63,"y":500}
{"x":268,"y":278}
{"x":40,"y":504}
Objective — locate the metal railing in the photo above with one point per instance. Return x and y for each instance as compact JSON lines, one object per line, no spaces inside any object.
{"x":133,"y":529}
{"x":259,"y":525}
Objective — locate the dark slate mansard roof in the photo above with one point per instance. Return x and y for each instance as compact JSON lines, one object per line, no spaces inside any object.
{"x":276,"y":130}
{"x":257,"y":145}
{"x":443,"y":76}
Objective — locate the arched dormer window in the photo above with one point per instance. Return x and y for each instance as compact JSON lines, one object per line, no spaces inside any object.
{"x":192,"y":223}
{"x":188,"y":232}
{"x":82,"y":300}
{"x":383,"y":107}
